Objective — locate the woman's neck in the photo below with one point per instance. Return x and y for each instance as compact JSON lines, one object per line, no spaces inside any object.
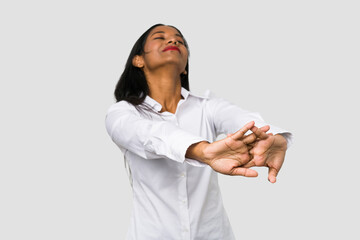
{"x":165,"y":89}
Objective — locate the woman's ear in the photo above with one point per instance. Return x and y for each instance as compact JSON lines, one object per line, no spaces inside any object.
{"x":138,"y":61}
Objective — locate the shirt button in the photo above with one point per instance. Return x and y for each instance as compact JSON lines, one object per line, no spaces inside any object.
{"x":182,"y":175}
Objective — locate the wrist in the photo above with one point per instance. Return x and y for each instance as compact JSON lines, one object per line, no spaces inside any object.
{"x":197,"y":151}
{"x":280,"y":141}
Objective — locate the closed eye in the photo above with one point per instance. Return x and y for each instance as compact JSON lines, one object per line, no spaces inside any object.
{"x":162,"y":38}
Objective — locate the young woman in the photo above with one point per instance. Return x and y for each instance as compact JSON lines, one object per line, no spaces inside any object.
{"x":167,"y":135}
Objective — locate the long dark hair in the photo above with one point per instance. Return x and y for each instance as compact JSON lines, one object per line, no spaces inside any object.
{"x":132,"y":86}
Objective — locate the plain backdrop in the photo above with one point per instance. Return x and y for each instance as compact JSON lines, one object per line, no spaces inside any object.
{"x":295,"y":62}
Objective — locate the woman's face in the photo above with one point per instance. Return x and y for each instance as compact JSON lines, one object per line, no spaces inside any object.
{"x":164,"y":46}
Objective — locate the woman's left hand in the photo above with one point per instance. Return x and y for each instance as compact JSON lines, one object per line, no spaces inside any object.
{"x":269,"y":152}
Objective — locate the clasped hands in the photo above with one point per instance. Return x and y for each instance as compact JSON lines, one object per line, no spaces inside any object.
{"x":237,"y":153}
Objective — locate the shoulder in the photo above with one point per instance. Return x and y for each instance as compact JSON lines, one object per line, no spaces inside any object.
{"x":206,"y":97}
{"x":121,"y":105}
{"x":119,"y":112}
{"x":207,"y":101}
{"x":212,"y":101}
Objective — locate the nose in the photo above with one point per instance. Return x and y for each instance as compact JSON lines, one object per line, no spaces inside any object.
{"x":173,"y":41}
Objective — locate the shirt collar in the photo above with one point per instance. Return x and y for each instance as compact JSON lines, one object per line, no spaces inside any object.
{"x":157,"y":106}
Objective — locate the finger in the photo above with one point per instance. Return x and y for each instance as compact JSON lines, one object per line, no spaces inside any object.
{"x":240,"y":133}
{"x":257,"y":131}
{"x":246,"y":172}
{"x":251,"y":138}
{"x":265,"y":128}
{"x":250,"y":146}
{"x":252,"y":152}
{"x":272,"y":175}
{"x":249,"y":164}
{"x":260,"y":132}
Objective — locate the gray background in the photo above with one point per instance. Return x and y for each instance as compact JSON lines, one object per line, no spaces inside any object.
{"x":295,"y":62}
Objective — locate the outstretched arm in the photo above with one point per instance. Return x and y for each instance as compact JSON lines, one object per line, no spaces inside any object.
{"x":147,"y":138}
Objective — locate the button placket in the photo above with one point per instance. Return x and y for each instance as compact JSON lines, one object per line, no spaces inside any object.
{"x":183,"y":205}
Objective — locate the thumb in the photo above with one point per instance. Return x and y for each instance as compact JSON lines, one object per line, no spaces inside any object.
{"x":246,"y":172}
{"x":272,"y":175}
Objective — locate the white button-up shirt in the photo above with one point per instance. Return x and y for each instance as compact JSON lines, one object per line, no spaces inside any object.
{"x":175,"y":197}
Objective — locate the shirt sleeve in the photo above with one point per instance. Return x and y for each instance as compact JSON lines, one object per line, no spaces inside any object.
{"x":229,"y":118}
{"x":150,"y":139}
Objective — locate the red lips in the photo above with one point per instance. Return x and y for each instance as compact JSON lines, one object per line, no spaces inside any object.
{"x":171,"y":48}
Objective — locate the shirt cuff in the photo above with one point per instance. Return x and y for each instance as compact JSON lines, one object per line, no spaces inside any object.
{"x":289,"y":138}
{"x":195,"y":163}
{"x":286,"y":134}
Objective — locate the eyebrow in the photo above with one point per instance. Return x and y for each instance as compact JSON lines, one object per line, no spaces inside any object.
{"x":164,"y":32}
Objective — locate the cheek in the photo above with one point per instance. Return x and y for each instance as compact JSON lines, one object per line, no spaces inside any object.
{"x":149,"y":47}
{"x":186,"y":53}
{"x":185,"y":57}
